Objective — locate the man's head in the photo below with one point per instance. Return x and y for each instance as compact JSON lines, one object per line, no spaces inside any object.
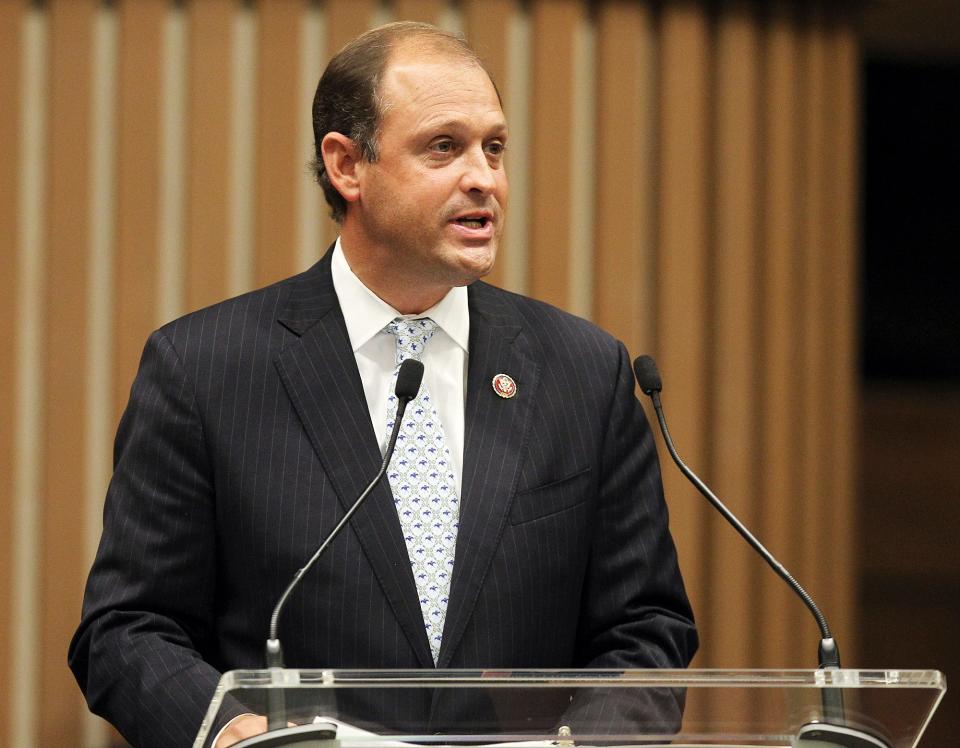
{"x":416,"y":172}
{"x":348,"y":97}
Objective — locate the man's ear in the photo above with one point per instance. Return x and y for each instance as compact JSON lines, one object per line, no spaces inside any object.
{"x":340,"y":158}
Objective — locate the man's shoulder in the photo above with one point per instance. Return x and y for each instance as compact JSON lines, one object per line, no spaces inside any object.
{"x":242,"y":317}
{"x":541,"y":320}
{"x":260,"y":305}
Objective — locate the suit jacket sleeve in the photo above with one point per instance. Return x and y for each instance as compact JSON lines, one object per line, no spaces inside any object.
{"x":149,"y":604}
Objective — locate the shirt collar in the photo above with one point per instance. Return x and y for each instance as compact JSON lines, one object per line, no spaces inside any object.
{"x":366,"y":314}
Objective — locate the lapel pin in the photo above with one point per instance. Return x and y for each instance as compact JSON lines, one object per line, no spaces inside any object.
{"x":504,"y":386}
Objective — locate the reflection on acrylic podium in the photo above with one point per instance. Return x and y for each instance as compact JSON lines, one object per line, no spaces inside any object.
{"x":391,"y":709}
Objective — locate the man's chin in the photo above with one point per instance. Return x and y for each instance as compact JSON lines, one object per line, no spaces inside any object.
{"x":474,"y":273}
{"x":476,"y":262}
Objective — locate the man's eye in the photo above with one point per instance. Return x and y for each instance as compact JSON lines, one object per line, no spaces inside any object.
{"x":496,"y":148}
{"x":442,"y":146}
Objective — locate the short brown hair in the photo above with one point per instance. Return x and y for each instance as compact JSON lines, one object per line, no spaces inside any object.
{"x":347,"y":98}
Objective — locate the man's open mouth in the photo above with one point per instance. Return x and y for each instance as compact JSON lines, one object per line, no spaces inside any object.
{"x":473,"y":222}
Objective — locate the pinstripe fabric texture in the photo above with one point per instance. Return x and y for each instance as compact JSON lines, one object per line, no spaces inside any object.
{"x":246,"y":437}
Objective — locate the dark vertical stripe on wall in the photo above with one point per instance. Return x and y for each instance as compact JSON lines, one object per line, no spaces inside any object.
{"x":485,"y":26}
{"x":832,"y":271}
{"x":552,"y":27}
{"x":11,"y":23}
{"x":427,"y":11}
{"x":734,"y":372}
{"x":138,"y":186}
{"x":683,"y":328}
{"x":844,"y":91}
{"x":278,"y":152}
{"x":780,"y":372}
{"x":346,"y":19}
{"x":209,"y":34}
{"x":626,"y":139}
{"x":814,"y":270}
{"x":61,"y":555}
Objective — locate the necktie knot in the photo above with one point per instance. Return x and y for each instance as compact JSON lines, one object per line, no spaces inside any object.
{"x":412,"y":336}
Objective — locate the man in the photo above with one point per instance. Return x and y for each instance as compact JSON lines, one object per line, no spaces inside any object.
{"x":253,"y":424}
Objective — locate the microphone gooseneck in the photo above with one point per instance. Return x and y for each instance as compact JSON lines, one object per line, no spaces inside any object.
{"x":834,"y":731}
{"x":645,"y":369}
{"x":408,"y":384}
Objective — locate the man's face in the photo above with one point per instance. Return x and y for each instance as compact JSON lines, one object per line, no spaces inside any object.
{"x":433,"y":203}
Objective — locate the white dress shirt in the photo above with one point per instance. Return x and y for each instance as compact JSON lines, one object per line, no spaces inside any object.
{"x":444,"y":358}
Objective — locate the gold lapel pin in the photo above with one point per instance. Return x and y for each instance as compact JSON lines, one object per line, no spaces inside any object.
{"x":504,"y":386}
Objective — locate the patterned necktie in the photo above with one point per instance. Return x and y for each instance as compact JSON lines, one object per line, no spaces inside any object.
{"x":424,"y":489}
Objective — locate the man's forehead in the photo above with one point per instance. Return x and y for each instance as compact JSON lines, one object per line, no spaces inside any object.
{"x":417,"y":64}
{"x":429,"y":49}
{"x":419,"y":98}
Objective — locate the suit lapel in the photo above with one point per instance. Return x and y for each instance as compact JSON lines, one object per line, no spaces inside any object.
{"x":496,"y":432}
{"x":319,"y":372}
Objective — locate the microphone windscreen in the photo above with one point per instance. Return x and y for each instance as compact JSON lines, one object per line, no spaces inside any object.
{"x":647,"y":375}
{"x":408,"y":379}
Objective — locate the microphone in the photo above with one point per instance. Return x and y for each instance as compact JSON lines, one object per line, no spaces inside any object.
{"x":823,"y":733}
{"x":408,"y":384}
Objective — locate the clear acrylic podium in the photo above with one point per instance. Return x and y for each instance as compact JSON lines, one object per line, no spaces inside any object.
{"x":539,"y":709}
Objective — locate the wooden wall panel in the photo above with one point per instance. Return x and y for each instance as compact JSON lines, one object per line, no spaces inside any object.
{"x":553,"y":25}
{"x":346,"y":19}
{"x":173,"y":238}
{"x":486,"y":29}
{"x":279,"y":158}
{"x":312,"y":209}
{"x":208,"y":138}
{"x":705,"y":158}
{"x":626,"y":143}
{"x":909,"y":571}
{"x":100,"y":312}
{"x":11,"y":21}
{"x":813,"y":454}
{"x":831,"y":272}
{"x":583,"y":174}
{"x":735,"y":371}
{"x":839,"y":336}
{"x":61,"y":555}
{"x":28,"y":395}
{"x":427,"y":11}
{"x":843,"y":85}
{"x":781,"y":376}
{"x":518,"y":102}
{"x":138,"y":187}
{"x":683,"y":326}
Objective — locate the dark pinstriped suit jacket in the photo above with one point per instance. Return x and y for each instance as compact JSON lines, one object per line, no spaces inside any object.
{"x":246,"y":437}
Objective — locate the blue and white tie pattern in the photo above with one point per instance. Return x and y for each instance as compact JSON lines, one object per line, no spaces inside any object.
{"x":424,"y":488}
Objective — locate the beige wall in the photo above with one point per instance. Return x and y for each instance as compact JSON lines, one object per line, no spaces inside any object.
{"x":684,"y":178}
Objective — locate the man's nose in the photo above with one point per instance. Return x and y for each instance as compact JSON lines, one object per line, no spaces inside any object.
{"x":478,"y":174}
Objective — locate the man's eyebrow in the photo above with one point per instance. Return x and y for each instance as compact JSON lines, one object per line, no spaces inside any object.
{"x":462,"y":123}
